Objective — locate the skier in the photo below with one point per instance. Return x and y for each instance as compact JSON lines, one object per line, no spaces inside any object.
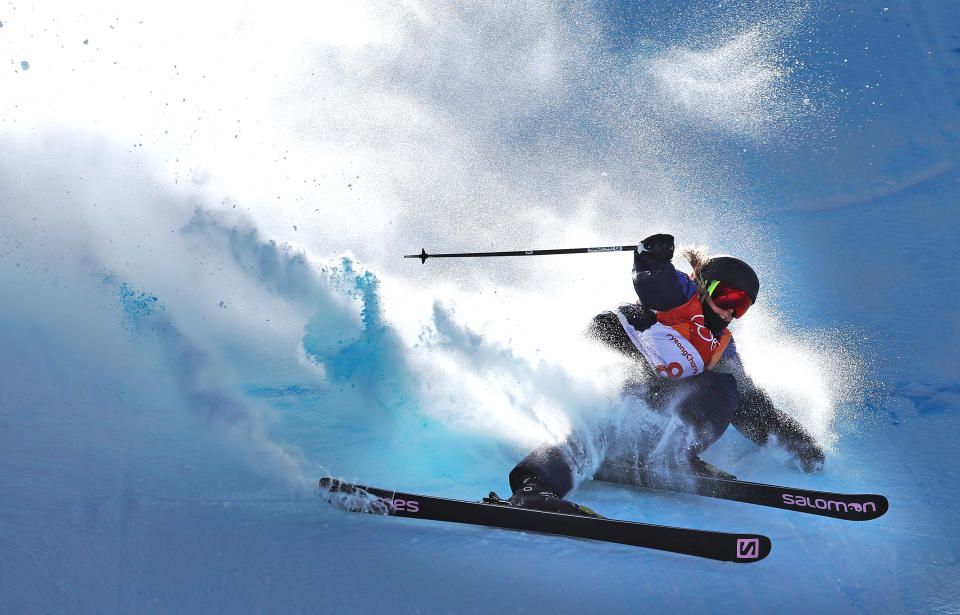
{"x":690,"y":369}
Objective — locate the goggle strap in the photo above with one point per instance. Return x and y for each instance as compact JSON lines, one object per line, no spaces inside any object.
{"x":711,"y":287}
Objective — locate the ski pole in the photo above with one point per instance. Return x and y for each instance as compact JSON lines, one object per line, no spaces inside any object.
{"x":423,"y":256}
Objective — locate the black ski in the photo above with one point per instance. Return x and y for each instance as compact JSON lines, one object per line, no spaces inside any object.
{"x":740,"y":548}
{"x":849,"y":506}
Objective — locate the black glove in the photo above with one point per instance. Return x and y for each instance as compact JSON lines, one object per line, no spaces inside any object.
{"x":659,"y":246}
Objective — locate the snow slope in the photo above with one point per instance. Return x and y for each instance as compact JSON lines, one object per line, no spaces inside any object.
{"x":204,"y":308}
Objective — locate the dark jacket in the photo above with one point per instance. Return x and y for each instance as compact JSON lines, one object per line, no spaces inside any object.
{"x":661,"y":287}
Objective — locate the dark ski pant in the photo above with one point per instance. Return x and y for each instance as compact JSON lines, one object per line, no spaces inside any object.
{"x":701,"y":407}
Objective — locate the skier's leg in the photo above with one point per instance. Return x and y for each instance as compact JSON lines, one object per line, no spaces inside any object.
{"x":563,"y":466}
{"x":708,"y":406}
{"x":551,"y":464}
{"x":698,"y":411}
{"x":547,"y":474}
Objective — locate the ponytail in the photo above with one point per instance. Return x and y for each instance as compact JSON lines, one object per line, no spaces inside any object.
{"x":696,"y":256}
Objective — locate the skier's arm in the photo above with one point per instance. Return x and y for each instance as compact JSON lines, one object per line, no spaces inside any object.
{"x":757,"y":418}
{"x":658,"y":284}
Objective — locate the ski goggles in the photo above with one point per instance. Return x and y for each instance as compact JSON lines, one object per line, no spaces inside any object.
{"x":729,"y":297}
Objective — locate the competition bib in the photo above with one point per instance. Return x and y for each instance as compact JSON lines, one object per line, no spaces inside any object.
{"x":678,"y":345}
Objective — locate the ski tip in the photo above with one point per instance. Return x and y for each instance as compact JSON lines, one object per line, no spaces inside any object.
{"x":861,"y":507}
{"x":334,"y":485}
{"x":882,"y":507}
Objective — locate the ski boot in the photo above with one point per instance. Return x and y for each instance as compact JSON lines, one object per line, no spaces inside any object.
{"x":537,"y":494}
{"x":701,"y":468}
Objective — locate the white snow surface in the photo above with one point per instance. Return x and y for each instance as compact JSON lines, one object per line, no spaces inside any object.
{"x":204,"y":309}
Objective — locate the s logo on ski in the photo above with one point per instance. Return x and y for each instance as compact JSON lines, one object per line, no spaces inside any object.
{"x":748,"y":548}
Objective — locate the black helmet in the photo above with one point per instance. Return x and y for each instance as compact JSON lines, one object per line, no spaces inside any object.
{"x":731,"y":270}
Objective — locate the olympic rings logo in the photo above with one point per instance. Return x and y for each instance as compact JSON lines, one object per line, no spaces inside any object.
{"x":697,"y":321}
